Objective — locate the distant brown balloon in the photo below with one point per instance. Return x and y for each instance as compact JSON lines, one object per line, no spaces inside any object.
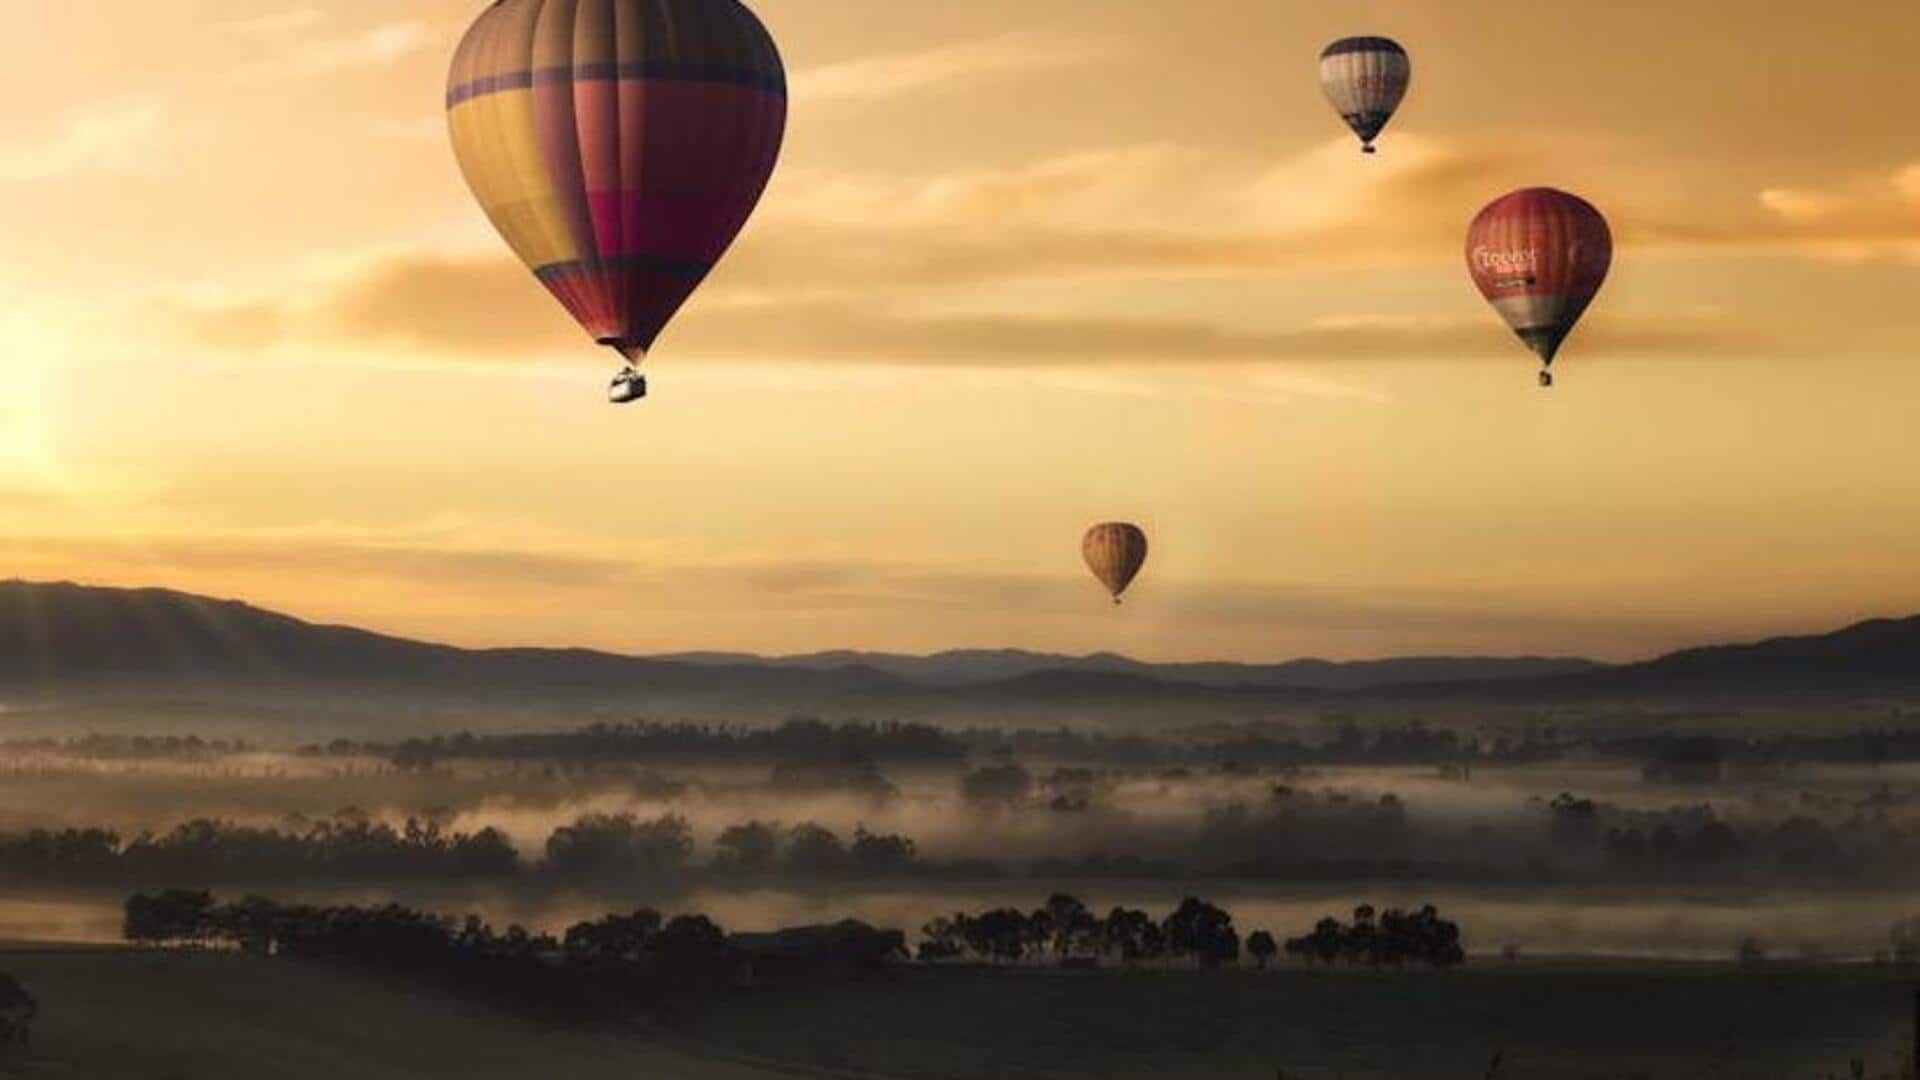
{"x":1115,"y":551}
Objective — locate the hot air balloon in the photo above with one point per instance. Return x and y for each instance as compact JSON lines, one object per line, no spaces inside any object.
{"x":1540,"y":256}
{"x":1115,"y":552}
{"x":1365,"y":78}
{"x":619,"y":146}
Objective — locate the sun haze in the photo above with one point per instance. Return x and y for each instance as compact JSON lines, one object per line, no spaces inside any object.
{"x":1023,"y":267}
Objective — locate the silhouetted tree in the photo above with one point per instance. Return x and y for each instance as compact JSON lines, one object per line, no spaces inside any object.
{"x":1202,"y":931}
{"x":1262,"y":947}
{"x":619,"y":844}
{"x":750,"y":848}
{"x":814,"y":849}
{"x":997,"y":785}
{"x":876,"y":854}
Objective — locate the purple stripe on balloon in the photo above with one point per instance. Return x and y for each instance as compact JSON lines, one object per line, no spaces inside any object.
{"x":772,"y":82}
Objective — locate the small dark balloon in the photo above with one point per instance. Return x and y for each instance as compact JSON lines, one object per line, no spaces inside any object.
{"x":1365,"y":79}
{"x":1115,"y":551}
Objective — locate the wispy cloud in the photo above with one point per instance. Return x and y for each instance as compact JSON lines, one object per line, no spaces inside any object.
{"x":956,"y":64}
{"x":105,"y":137}
{"x":1862,"y":217}
{"x":853,"y":268}
{"x":376,"y":46}
{"x":278,"y":22}
{"x":486,"y":308}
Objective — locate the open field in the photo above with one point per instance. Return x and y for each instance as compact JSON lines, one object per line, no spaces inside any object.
{"x":128,"y":1015}
{"x":1552,"y":1021}
{"x":171,"y":1016}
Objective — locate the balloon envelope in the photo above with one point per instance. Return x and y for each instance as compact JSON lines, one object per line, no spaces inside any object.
{"x":619,"y":146}
{"x":1540,"y":256}
{"x":1115,"y":552}
{"x":1366,"y":79}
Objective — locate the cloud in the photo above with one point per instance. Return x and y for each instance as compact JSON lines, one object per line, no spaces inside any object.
{"x":376,"y":46}
{"x":488,"y":308}
{"x":278,"y":22}
{"x":1863,"y":217}
{"x":98,"y":138}
{"x":874,"y":269}
{"x":960,"y":63}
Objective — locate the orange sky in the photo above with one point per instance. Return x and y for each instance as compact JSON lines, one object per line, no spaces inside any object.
{"x":1024,"y":266}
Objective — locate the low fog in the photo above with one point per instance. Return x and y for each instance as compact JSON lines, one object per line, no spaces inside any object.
{"x":1537,"y":841}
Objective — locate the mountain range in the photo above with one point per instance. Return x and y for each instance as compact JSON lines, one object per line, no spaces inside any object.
{"x":64,"y":640}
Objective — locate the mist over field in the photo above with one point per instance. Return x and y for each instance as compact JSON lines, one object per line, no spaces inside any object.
{"x":1539,"y":837}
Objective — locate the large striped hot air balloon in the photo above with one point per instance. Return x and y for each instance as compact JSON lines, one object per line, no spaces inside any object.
{"x":619,"y":146}
{"x":1366,"y":79}
{"x":1115,"y":552}
{"x":1540,"y":256}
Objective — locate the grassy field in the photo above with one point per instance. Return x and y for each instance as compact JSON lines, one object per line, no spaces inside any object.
{"x":1681,"y":1022}
{"x":124,"y":1015}
{"x":115,"y":1013}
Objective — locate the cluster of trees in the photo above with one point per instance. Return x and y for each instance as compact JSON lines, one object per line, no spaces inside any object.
{"x":799,"y":739}
{"x":130,"y":747}
{"x":1703,"y":756}
{"x":1066,"y":932}
{"x":623,"y":846}
{"x":603,"y":967}
{"x":850,"y":773}
{"x":1261,"y":746}
{"x":1392,"y":938}
{"x":593,"y":848}
{"x":347,"y":846}
{"x":810,"y":740}
{"x":1346,"y":742}
{"x":1691,"y":840}
{"x":763,"y":848}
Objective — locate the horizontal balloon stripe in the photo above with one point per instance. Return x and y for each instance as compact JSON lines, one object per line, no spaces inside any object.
{"x":1367,"y":125}
{"x":1537,"y":309}
{"x":1363,"y":44}
{"x":771,"y":82}
{"x":664,"y":264}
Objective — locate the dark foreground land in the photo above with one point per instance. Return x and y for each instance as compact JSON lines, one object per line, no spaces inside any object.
{"x":120,"y":1014}
{"x":1551,"y":1021}
{"x":197,"y":1016}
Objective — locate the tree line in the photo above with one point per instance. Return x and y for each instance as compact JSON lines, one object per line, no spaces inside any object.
{"x":1065,"y":932}
{"x":605,"y":967}
{"x":809,"y":739}
{"x":797,"y":740}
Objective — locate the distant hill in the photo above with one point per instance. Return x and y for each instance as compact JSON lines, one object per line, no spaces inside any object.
{"x":63,"y":640}
{"x":969,"y":667}
{"x":1877,"y":655}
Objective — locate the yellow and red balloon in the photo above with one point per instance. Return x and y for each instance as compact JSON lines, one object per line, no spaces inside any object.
{"x":619,"y":146}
